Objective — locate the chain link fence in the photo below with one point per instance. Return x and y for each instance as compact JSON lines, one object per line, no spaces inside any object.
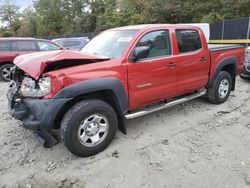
{"x":89,"y":35}
{"x":230,"y":29}
{"x":219,"y":30}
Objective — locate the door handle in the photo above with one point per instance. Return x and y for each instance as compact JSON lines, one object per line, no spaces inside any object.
{"x":203,"y":59}
{"x":171,"y":65}
{"x":15,"y":55}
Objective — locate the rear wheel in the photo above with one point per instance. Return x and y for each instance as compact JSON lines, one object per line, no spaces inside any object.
{"x":5,"y":72}
{"x":89,"y":127}
{"x":221,"y":88}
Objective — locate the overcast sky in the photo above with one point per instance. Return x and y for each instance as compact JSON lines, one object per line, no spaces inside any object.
{"x":23,"y":3}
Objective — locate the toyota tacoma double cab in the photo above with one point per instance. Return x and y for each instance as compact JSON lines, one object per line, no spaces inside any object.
{"x":121,"y":74}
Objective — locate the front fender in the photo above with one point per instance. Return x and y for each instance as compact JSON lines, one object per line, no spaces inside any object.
{"x":100,"y":84}
{"x":94,"y":85}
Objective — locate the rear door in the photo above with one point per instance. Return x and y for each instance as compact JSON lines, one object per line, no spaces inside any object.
{"x":152,"y":78}
{"x":193,"y":61}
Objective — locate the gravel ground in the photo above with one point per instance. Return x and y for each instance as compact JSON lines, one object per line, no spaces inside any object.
{"x":195,"y":144}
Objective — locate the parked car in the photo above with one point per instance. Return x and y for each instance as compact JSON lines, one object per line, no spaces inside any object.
{"x":71,"y":43}
{"x":121,"y":74}
{"x":10,"y":48}
{"x":246,"y":72}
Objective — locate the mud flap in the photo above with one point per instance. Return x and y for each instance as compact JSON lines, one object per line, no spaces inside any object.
{"x":47,"y":140}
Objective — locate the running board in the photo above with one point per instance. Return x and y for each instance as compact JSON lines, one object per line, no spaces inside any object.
{"x":149,"y":110}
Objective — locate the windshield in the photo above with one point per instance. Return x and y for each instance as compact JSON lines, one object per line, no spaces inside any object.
{"x":110,"y":43}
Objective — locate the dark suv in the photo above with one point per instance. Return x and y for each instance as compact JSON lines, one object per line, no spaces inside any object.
{"x":246,"y":72}
{"x":13,"y":47}
{"x":72,"y":43}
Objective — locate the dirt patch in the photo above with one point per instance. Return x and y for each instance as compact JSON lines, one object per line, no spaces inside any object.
{"x":195,"y":144}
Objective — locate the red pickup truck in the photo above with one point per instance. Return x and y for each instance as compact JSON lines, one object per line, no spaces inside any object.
{"x":121,"y":74}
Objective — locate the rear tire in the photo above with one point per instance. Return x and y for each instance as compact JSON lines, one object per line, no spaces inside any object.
{"x":5,"y":72}
{"x":221,"y":88}
{"x":89,"y":127}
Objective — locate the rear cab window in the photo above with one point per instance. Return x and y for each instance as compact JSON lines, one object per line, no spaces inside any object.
{"x":5,"y":46}
{"x":188,"y":40}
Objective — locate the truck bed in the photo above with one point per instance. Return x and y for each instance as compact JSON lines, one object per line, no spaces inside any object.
{"x":218,"y":52}
{"x":217,"y":47}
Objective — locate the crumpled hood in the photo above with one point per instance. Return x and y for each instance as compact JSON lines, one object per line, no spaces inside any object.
{"x":34,"y":64}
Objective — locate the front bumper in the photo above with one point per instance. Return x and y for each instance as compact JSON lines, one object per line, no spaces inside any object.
{"x":245,"y":74}
{"x":35,"y":114}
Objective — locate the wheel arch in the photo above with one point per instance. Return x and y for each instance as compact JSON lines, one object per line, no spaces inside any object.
{"x":5,"y":62}
{"x":109,"y":90}
{"x":229,"y":65}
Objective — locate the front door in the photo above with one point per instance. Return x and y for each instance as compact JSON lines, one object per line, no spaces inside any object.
{"x":152,"y":78}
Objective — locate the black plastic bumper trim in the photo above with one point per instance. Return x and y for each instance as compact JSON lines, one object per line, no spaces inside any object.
{"x":38,"y":114}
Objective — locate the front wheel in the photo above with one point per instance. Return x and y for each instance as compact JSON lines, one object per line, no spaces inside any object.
{"x":89,"y":127}
{"x":5,"y":72}
{"x":221,"y":88}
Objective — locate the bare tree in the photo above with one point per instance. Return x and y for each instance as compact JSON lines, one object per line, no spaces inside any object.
{"x":8,"y":12}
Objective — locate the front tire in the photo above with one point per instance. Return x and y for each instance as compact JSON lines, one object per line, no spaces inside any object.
{"x":89,"y":127}
{"x":221,"y":88}
{"x":5,"y":72}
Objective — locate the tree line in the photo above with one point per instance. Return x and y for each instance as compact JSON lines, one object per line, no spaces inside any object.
{"x":56,"y":17}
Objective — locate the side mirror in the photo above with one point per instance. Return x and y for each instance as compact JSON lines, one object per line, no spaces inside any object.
{"x":140,"y":52}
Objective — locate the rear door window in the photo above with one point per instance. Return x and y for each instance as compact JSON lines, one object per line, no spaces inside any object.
{"x":188,"y":40}
{"x":26,"y":46}
{"x":5,"y":46}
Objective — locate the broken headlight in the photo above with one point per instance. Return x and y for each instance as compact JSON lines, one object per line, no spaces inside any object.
{"x":32,"y":88}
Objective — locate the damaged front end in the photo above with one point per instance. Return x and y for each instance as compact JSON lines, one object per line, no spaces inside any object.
{"x":32,"y":92}
{"x":26,"y":104}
